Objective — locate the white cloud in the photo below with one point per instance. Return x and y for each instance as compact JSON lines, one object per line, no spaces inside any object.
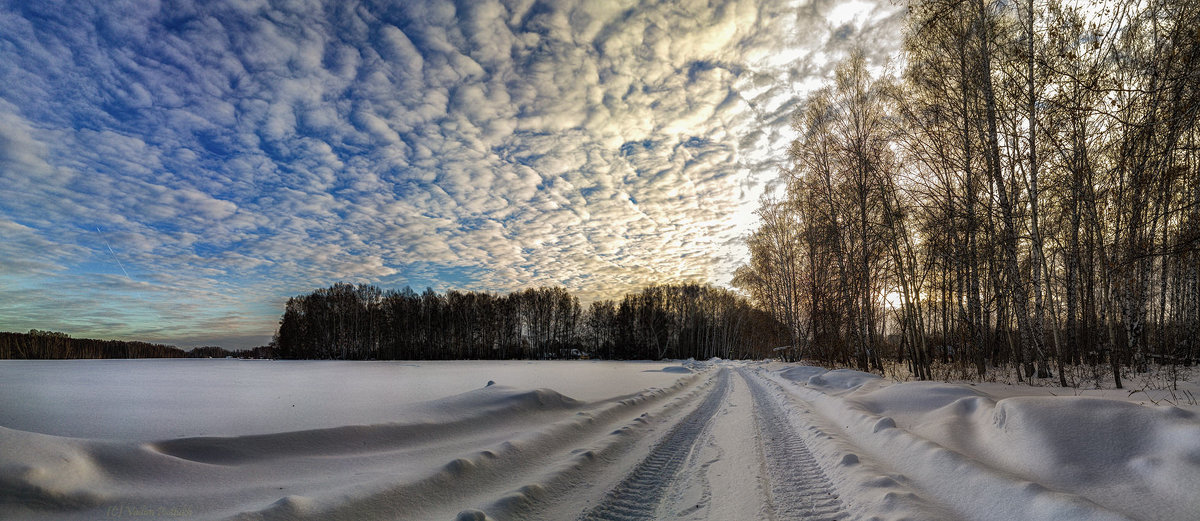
{"x":235,"y":153}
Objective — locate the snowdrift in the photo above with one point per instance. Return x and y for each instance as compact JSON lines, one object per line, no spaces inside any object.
{"x":1067,"y":457}
{"x":432,"y":463}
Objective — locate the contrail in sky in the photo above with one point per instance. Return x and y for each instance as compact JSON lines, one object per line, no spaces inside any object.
{"x":114,"y":255}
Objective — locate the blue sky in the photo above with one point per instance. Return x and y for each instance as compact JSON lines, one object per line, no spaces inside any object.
{"x":173,"y":171}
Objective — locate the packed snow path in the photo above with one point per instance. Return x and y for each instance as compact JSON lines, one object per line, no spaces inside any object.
{"x":640,"y":494}
{"x":694,"y":441}
{"x":799,"y":489}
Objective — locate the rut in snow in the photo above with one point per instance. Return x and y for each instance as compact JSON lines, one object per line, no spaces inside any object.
{"x":640,"y":493}
{"x":799,"y":489}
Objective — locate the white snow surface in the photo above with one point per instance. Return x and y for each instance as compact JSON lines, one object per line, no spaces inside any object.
{"x":719,"y":440}
{"x":161,"y":398}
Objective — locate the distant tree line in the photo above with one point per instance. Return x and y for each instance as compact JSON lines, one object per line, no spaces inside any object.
{"x":1026,"y":192}
{"x":53,"y":345}
{"x":263,"y":352}
{"x":356,"y":322}
{"x":50,"y":345}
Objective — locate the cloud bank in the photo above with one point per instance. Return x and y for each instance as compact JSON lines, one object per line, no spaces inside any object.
{"x":231,"y":154}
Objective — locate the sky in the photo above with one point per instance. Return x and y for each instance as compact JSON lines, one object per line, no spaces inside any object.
{"x":173,"y":171}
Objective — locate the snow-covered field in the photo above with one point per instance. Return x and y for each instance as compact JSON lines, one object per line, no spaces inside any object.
{"x":231,"y":439}
{"x":160,"y":399}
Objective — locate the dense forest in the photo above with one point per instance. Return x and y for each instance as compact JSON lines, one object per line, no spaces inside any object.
{"x":1024,"y":193}
{"x":357,"y":322}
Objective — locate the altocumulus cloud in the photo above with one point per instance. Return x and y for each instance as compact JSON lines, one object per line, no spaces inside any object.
{"x":230,"y":154}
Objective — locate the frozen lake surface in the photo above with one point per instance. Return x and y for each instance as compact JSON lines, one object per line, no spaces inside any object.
{"x":172,"y":398}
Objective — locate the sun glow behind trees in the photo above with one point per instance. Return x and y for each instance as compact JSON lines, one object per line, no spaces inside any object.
{"x":1037,"y":202}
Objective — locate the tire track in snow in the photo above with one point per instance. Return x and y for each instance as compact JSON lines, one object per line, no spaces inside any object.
{"x":799,"y":489}
{"x":639,"y":495}
{"x":694,"y":490}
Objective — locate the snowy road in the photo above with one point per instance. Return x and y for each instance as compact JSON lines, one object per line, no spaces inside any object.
{"x":702,"y":464}
{"x":640,"y":494}
{"x":799,"y":489}
{"x":719,"y":441}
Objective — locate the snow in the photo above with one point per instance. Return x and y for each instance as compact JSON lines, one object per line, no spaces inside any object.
{"x":262,"y":439}
{"x":1073,"y":456}
{"x":715,"y":439}
{"x":155,"y":399}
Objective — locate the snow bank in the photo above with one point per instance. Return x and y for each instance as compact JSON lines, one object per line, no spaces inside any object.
{"x":1144,"y":461}
{"x":423,"y":456}
{"x":475,"y":412}
{"x":676,"y":370}
{"x":830,"y":381}
{"x":1056,"y":457}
